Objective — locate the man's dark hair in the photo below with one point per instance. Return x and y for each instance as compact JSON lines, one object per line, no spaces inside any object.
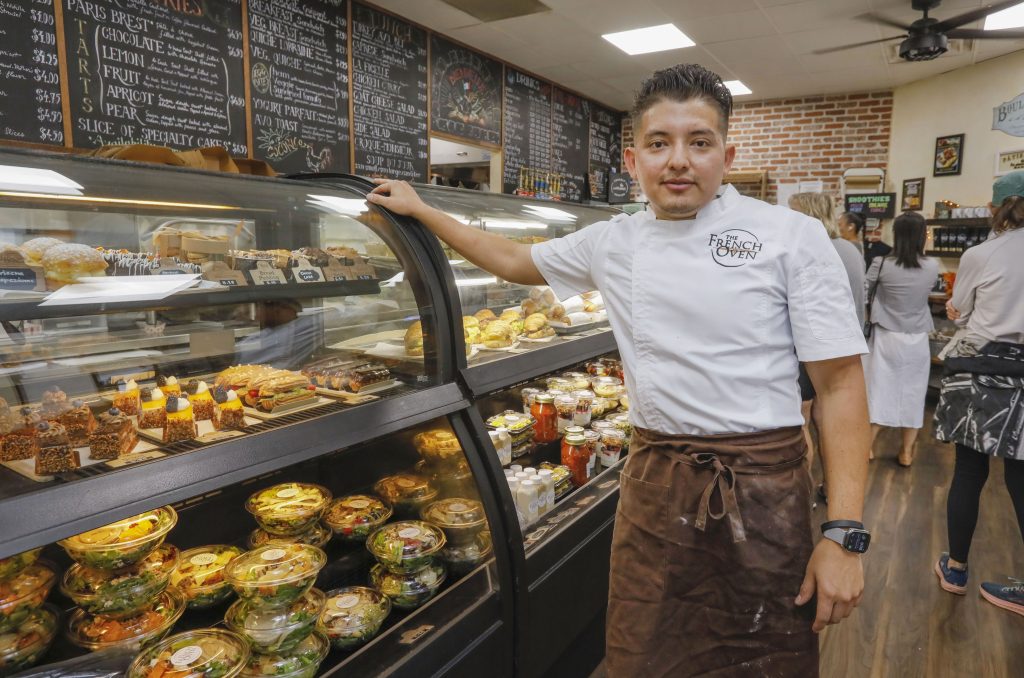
{"x":909,"y":233}
{"x":856,"y":220}
{"x":683,"y":83}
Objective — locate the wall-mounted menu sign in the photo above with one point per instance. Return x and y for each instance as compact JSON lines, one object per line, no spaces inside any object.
{"x":389,"y":95}
{"x":872,"y":205}
{"x":299,"y":82}
{"x":570,"y":134}
{"x":29,"y":77}
{"x":162,"y":73}
{"x":605,"y":149}
{"x":527,"y":126}
{"x":465,"y":90}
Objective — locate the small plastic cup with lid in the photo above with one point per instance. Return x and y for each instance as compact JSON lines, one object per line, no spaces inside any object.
{"x":406,"y":546}
{"x":354,"y":517}
{"x":277,"y":574}
{"x":123,"y":593}
{"x":272,"y":629}
{"x":409,"y":590}
{"x":584,"y":405}
{"x":23,"y":646}
{"x":460,"y":559}
{"x":318,"y":535}
{"x":12,"y":565}
{"x":460,"y":518}
{"x":200,"y":574}
{"x":579,"y":380}
{"x":23,"y":594}
{"x":205,"y":653}
{"x":151,"y":624}
{"x":565,"y":405}
{"x":122,"y":543}
{"x":353,"y":616}
{"x":289,"y":508}
{"x":302,"y":661}
{"x":559,"y":384}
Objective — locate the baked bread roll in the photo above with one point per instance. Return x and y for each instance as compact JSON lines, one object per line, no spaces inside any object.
{"x":536,"y":327}
{"x":515,"y":319}
{"x":497,"y":334}
{"x":35,"y":248}
{"x":64,"y":264}
{"x":414,"y":339}
{"x":471,"y":328}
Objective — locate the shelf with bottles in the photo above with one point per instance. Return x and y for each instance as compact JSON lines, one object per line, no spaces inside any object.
{"x":954,"y":239}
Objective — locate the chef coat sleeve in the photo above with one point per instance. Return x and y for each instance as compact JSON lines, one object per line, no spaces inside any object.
{"x":567,"y":263}
{"x":821,"y":312}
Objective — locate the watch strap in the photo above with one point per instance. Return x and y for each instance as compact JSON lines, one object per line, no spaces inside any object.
{"x":845,"y":524}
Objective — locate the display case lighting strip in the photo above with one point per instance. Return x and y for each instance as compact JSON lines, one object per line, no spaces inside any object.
{"x":112,"y":201}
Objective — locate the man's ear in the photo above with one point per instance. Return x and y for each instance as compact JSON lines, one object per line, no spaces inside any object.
{"x":629,"y":155}
{"x":730,"y":156}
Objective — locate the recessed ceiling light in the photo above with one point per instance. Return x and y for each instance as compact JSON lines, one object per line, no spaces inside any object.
{"x":737,"y":88}
{"x":1012,"y":17}
{"x":650,"y":39}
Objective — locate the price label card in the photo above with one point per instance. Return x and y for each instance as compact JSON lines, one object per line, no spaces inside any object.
{"x":220,"y":273}
{"x":306,"y":273}
{"x":266,"y":274}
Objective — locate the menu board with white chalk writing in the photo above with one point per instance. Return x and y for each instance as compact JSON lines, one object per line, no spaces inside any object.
{"x":527,"y":126}
{"x":162,"y":73}
{"x":29,"y":76}
{"x":570,"y":137}
{"x":605,"y":149}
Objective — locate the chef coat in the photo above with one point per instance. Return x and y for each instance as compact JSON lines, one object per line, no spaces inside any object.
{"x":706,"y":312}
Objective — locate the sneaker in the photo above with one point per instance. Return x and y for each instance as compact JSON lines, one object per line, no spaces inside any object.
{"x":953,"y":581}
{"x":1007,"y":597}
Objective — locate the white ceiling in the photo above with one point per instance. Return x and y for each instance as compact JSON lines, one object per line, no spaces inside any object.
{"x":765,"y":43}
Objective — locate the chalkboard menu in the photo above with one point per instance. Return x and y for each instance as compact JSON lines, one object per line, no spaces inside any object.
{"x":298,"y":63}
{"x":389,"y":95}
{"x":527,"y":126}
{"x":163,"y":73}
{"x":465,"y":92}
{"x":29,"y":78}
{"x":570,"y":133}
{"x":605,"y":150}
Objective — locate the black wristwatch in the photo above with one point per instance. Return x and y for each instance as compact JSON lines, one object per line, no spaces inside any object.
{"x":849,"y":534}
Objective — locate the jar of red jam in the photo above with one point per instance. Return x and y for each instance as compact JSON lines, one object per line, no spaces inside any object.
{"x":543,"y":410}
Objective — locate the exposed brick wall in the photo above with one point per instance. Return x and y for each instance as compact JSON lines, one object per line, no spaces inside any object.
{"x":807,"y":138}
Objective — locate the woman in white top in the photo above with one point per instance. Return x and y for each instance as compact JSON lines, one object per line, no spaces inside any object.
{"x":897,"y":367}
{"x":981,"y":407}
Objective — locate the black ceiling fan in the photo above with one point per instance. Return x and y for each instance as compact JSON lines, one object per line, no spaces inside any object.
{"x":927,"y":38}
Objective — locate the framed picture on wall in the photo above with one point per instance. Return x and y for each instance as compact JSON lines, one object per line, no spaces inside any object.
{"x":913,"y":194}
{"x":949,"y":155}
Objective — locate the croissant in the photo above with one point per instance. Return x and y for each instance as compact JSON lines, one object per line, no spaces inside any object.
{"x":497,"y":334}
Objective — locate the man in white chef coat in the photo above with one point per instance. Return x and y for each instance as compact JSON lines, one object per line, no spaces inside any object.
{"x":713,"y":567}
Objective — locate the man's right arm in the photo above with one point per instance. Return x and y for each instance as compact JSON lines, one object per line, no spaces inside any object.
{"x":493,"y":253}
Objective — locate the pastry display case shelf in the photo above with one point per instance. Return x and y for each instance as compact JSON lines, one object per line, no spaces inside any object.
{"x":34,"y":309}
{"x":33,"y":514}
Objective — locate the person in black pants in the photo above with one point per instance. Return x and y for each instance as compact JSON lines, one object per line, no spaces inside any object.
{"x":981,"y":406}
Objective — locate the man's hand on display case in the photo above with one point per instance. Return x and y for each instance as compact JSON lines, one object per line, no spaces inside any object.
{"x":493,"y":253}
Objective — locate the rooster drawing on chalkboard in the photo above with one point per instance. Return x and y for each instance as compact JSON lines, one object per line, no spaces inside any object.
{"x":318,"y":162}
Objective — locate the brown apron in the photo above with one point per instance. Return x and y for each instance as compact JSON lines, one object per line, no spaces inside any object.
{"x":712,"y":538}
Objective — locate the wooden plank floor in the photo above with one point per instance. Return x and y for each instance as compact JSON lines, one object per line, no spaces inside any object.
{"x":906,"y":626}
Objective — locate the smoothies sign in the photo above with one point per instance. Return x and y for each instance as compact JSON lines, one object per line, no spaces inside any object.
{"x":1009,"y":116}
{"x":872,"y":205}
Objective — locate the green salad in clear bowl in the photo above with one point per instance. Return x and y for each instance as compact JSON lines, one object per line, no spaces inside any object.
{"x":288,"y":508}
{"x":410,"y":590}
{"x":353,"y":615}
{"x":302,"y":661}
{"x":23,"y":646}
{"x":318,"y":535}
{"x":94,"y":632}
{"x":277,"y":574}
{"x":12,"y":565}
{"x":406,"y":546}
{"x":277,"y":628}
{"x":122,"y":593}
{"x":23,"y":594}
{"x":354,"y":517}
{"x":407,"y":493}
{"x":460,"y":559}
{"x":460,"y":518}
{"x":123,"y":543}
{"x":200,"y":574}
{"x":206,"y":653}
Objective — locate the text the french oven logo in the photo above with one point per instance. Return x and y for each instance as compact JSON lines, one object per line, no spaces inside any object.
{"x":734,"y":247}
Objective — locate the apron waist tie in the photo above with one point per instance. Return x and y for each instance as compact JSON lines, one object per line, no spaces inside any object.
{"x":724,"y":480}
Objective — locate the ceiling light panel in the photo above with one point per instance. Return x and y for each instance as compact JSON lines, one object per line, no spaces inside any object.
{"x":651,"y":39}
{"x":1012,"y":17}
{"x":737,"y":88}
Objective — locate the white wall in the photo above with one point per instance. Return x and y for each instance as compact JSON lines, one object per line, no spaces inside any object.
{"x":960,"y":101}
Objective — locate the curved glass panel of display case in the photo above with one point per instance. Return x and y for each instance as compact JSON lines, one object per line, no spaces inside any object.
{"x":555,"y":322}
{"x":149,"y":311}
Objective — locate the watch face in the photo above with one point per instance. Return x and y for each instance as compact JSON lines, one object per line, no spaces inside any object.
{"x":857,"y":541}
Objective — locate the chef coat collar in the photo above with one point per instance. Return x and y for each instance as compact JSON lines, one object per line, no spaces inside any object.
{"x":724,"y":199}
